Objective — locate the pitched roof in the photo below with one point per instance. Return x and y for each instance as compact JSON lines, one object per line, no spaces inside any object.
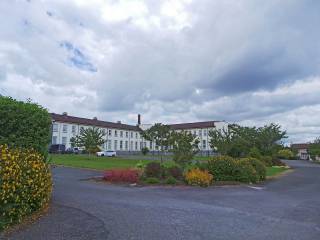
{"x":92,"y":122}
{"x":300,"y":145}
{"x":183,"y":126}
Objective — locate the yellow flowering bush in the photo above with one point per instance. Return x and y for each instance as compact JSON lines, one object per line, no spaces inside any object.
{"x":25,"y":184}
{"x":198,"y":177}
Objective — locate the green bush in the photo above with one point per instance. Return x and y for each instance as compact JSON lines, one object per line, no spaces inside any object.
{"x":171,"y":180}
{"x":259,"y":166}
{"x":255,"y":153}
{"x":267,"y":160}
{"x":245,"y":172}
{"x":222,"y":168}
{"x":25,"y":184}
{"x":153,"y":170}
{"x":144,"y":150}
{"x":25,"y":125}
{"x":152,"y":180}
{"x":285,"y":154}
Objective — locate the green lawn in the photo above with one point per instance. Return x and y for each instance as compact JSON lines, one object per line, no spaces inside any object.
{"x":93,"y":162}
{"x":272,"y":171}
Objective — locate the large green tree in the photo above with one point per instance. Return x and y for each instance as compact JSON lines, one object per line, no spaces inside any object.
{"x":90,"y":138}
{"x":184,"y":146}
{"x":159,"y":134}
{"x":314,"y":148}
{"x":239,"y":141}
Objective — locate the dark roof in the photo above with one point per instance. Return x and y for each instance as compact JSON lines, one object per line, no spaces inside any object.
{"x":182,"y":126}
{"x":300,"y":145}
{"x":92,"y":122}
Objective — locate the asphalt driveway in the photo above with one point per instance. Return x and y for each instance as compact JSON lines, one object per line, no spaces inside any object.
{"x":285,"y":208}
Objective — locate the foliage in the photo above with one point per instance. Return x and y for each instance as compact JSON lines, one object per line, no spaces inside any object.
{"x":255,"y":153}
{"x":25,"y":184}
{"x":222,"y":168}
{"x":140,"y":165}
{"x":171,"y":180}
{"x":184,"y":147}
{"x":153,"y":169}
{"x":90,"y":138}
{"x":259,"y":167}
{"x":314,"y":148}
{"x":277,"y":162}
{"x":198,"y":177}
{"x":267,"y":160}
{"x":145,"y":150}
{"x":160,"y":134}
{"x":152,"y":180}
{"x":122,"y":175}
{"x":238,"y":141}
{"x":174,"y":171}
{"x":285,"y":154}
{"x":245,"y":172}
{"x":25,"y":125}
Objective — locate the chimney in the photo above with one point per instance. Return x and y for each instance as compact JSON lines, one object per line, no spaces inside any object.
{"x":139,"y":119}
{"x":65,"y":114}
{"x":119,"y":122}
{"x":95,"y":118}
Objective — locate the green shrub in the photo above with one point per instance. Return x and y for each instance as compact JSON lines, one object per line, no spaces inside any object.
{"x":25,"y":125}
{"x":285,"y":154}
{"x":140,"y":165}
{"x":267,"y":160}
{"x":144,"y":150}
{"x":171,"y":180}
{"x":222,"y":168}
{"x":277,"y":162}
{"x":25,"y":184}
{"x":245,"y":172}
{"x":255,"y":153}
{"x":259,"y":166}
{"x":152,"y":180}
{"x":153,"y":169}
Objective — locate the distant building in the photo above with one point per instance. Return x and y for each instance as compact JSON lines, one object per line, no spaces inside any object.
{"x":302,"y":150}
{"x":123,"y":137}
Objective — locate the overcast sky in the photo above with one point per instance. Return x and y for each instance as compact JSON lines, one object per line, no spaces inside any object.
{"x":247,"y":61}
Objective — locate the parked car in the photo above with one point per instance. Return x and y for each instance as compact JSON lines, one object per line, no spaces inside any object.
{"x":107,"y":153}
{"x":57,"y":148}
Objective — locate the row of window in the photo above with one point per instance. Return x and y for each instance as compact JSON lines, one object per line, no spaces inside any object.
{"x":133,"y":145}
{"x":116,"y":133}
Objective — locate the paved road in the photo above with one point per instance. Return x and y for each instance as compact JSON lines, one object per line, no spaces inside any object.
{"x":285,"y":208}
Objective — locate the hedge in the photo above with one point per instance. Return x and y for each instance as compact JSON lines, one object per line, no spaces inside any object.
{"x":25,"y":184}
{"x":24,"y":125}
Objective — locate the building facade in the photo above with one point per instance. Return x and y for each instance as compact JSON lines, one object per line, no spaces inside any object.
{"x":123,"y":137}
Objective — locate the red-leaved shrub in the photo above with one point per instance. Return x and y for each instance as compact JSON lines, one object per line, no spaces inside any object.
{"x":121,"y":175}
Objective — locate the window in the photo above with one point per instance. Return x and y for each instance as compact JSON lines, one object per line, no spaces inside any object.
{"x":73,"y":129}
{"x":109,"y":144}
{"x":205,"y":132}
{"x":115,"y":133}
{"x":126,"y":145}
{"x":127,"y":134}
{"x":131,"y":145}
{"x":150,"y":145}
{"x":136,"y":145}
{"x":131,"y":134}
{"x":120,"y":144}
{"x":54,"y":140}
{"x":115,"y":145}
{"x":136,"y":135}
{"x":204,"y":144}
{"x":144,"y":144}
{"x":55,"y":127}
{"x":200,"y":133}
{"x":121,"y":133}
{"x":110,"y":132}
{"x":64,"y":141}
{"x":195,"y":133}
{"x":65,"y":128}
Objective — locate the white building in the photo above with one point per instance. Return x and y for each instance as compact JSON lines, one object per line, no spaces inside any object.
{"x":123,"y":137}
